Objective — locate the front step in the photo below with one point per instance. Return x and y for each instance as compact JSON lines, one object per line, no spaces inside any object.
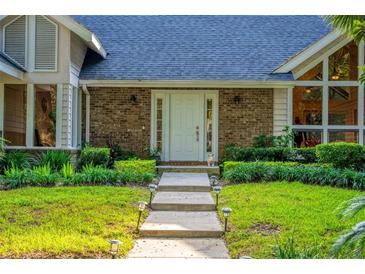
{"x":183,"y":201}
{"x":211,"y":170}
{"x":179,"y":248}
{"x":197,"y":224}
{"x":184,"y":182}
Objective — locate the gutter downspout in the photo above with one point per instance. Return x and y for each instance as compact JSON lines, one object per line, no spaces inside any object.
{"x":87,"y":113}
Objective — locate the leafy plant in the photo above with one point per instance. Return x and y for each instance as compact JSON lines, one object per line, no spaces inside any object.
{"x":94,"y":175}
{"x":55,"y":159}
{"x":137,"y":165}
{"x":67,"y":171}
{"x":353,"y":239}
{"x":94,"y":156}
{"x":43,"y":176}
{"x":291,"y":251}
{"x":15,"y":177}
{"x":16,"y":158}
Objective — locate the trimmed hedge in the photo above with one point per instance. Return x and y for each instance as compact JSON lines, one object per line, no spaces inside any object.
{"x":275,"y":154}
{"x":307,"y":174}
{"x":141,"y":166}
{"x":342,"y":155}
{"x":96,"y":156}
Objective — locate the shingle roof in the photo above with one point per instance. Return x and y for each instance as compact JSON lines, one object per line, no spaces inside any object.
{"x":197,"y":47}
{"x":7,"y":60}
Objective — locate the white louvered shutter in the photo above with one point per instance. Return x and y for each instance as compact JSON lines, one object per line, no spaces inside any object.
{"x":45,"y":44}
{"x":14,"y":44}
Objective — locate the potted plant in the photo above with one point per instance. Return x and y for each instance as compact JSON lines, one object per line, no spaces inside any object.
{"x":155,"y":154}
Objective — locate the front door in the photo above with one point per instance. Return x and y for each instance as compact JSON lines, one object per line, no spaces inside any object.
{"x":185,"y":125}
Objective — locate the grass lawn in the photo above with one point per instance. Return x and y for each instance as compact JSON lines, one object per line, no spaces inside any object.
{"x":67,"y":222}
{"x":265,"y":214}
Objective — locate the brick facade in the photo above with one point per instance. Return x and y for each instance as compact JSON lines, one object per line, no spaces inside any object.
{"x":114,"y":116}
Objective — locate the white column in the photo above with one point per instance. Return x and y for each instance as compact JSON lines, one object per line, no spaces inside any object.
{"x":87,"y":123}
{"x":290,"y":107}
{"x":325,"y":101}
{"x":59,"y":115}
{"x":74,"y":116}
{"x":79,"y":117}
{"x":361,"y":57}
{"x":30,"y":115}
{"x":2,"y":92}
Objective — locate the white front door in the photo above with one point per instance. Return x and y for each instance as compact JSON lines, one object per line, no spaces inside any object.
{"x":185,"y":126}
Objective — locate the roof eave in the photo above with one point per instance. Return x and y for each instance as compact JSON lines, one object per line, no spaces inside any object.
{"x":12,"y":71}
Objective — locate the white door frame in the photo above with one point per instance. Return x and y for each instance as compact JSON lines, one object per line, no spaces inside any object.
{"x":165,"y":96}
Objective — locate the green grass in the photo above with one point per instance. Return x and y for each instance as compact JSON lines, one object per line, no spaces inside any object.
{"x":266,"y":214}
{"x":67,"y":222}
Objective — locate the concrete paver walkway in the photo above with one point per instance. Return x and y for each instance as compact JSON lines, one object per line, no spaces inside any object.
{"x":183,"y":222}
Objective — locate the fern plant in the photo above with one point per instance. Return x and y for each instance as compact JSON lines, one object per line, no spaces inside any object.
{"x":67,"y":171}
{"x":15,"y":177}
{"x":55,"y":159}
{"x":43,"y":176}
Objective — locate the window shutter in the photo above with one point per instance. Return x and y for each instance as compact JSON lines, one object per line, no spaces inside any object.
{"x":45,"y":44}
{"x":15,"y":35}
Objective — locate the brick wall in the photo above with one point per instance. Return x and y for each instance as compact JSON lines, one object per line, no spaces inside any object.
{"x":114,"y":116}
{"x":239,"y":123}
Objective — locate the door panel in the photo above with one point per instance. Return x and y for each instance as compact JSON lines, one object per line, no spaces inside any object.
{"x":184,"y":123}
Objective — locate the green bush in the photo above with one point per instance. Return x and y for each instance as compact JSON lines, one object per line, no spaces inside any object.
{"x":229,"y":165}
{"x":16,"y":158}
{"x":15,"y":177}
{"x":67,"y":171}
{"x":55,"y":159}
{"x":94,"y":175}
{"x":140,"y":166}
{"x":300,"y":155}
{"x":94,"y":156}
{"x":307,"y":174}
{"x":133,"y":176}
{"x":43,"y":176}
{"x":342,"y":155}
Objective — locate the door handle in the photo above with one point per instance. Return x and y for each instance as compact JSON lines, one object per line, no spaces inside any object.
{"x":197,"y":133}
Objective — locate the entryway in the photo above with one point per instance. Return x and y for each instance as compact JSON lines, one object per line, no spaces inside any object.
{"x":184,"y":124}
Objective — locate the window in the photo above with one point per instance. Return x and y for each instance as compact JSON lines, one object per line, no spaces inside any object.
{"x":15,"y":39}
{"x":325,"y":100}
{"x":209,"y":125}
{"x":159,"y":125}
{"x":45,"y":115}
{"x":307,"y":106}
{"x":15,"y":108}
{"x":45,"y":44}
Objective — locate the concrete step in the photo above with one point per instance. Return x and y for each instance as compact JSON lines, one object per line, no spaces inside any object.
{"x":188,"y":182}
{"x":183,"y":201}
{"x":179,"y":248}
{"x":197,"y":224}
{"x":211,"y":170}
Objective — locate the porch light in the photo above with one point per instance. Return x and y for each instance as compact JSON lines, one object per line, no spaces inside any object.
{"x":152,"y":188}
{"x":133,"y":98}
{"x":114,"y":247}
{"x":214,"y":180}
{"x":217,"y":190}
{"x":141,"y":207}
{"x":226,"y":212}
{"x":237,"y":99}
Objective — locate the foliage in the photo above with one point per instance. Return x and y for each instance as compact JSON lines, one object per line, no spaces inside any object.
{"x":43,"y":176}
{"x":290,"y":250}
{"x":16,"y":158}
{"x":54,"y":158}
{"x":94,"y":175}
{"x":307,"y":174}
{"x":2,"y":147}
{"x":67,"y":171}
{"x":301,"y":155}
{"x":68,"y":222}
{"x":94,"y":156}
{"x":130,"y":175}
{"x":264,"y":141}
{"x":137,"y":165}
{"x":355,"y":237}
{"x":15,"y":177}
{"x":342,"y":155}
{"x":265,"y":215}
{"x":118,"y":154}
{"x":284,"y":140}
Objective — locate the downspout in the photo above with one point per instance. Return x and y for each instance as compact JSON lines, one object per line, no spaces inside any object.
{"x":87,"y":113}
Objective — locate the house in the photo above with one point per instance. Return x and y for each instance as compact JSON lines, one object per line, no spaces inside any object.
{"x":188,"y":85}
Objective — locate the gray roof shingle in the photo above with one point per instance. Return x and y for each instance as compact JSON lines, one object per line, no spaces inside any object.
{"x":197,"y":47}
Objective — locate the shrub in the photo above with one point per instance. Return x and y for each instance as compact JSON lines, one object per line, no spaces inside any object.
{"x":43,"y":176}
{"x":16,"y":158}
{"x":55,"y":159}
{"x":133,"y":176}
{"x":140,"y":166}
{"x":67,"y":171}
{"x":94,"y":175}
{"x":16,"y":177}
{"x":301,"y":155}
{"x":342,"y":155}
{"x":291,"y":251}
{"x":94,"y":156}
{"x":307,"y":174}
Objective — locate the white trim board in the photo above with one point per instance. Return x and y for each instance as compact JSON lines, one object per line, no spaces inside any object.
{"x":14,"y":72}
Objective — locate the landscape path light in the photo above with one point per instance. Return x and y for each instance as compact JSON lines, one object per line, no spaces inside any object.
{"x":114,"y":247}
{"x":152,"y":188}
{"x":217,"y":190}
{"x":226,"y":212}
{"x":214,"y":180}
{"x":141,"y":207}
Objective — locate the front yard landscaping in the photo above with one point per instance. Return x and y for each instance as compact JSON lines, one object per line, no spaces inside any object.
{"x":267,"y":214}
{"x":67,"y":222}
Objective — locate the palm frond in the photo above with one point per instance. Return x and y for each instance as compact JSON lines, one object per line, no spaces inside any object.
{"x":350,"y":208}
{"x":345,"y":23}
{"x":362,"y":76}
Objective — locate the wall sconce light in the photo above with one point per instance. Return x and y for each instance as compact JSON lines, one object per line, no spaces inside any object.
{"x":133,"y":98}
{"x":308,"y":90}
{"x":237,"y":100}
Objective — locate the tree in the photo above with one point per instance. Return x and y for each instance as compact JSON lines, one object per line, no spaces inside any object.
{"x":351,"y":25}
